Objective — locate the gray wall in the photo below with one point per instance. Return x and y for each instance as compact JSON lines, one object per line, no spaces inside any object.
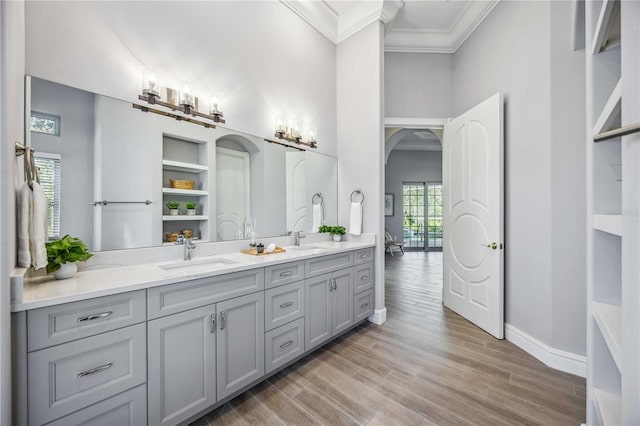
{"x":408,"y":166}
{"x":523,"y":50}
{"x":568,"y":185}
{"x":418,"y":85}
{"x":75,"y":146}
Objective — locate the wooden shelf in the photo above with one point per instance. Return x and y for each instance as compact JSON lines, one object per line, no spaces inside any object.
{"x":610,"y":117}
{"x":608,"y":407}
{"x":183,"y":217}
{"x":609,"y":223}
{"x":605,"y":31}
{"x":609,"y":320}
{"x":178,"y":166}
{"x":185,"y":192}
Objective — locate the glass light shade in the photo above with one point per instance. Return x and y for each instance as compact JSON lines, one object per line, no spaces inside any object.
{"x":186,"y":97}
{"x":151,"y":81}
{"x":215,"y":106}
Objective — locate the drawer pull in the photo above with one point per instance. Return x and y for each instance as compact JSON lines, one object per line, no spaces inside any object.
{"x":95,"y":316}
{"x":223,"y":320}
{"x":286,"y":344}
{"x":285,"y":305}
{"x":286,"y":274}
{"x":94,"y":370}
{"x":364,"y":305}
{"x":213,"y":323}
{"x":364,"y":277}
{"x":364,"y":256}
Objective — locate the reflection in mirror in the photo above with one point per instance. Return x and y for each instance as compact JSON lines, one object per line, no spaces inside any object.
{"x":112,"y":170}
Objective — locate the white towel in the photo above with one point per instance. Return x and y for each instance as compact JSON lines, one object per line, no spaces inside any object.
{"x":317,"y":218}
{"x":32,"y":226}
{"x":355,"y":219}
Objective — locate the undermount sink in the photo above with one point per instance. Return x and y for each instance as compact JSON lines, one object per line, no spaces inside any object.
{"x":305,"y":248}
{"x":199,"y":264}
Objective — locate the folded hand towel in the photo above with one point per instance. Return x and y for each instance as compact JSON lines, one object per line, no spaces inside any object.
{"x":24,"y":214}
{"x":317,"y":217}
{"x":355,"y":219}
{"x":38,"y":227}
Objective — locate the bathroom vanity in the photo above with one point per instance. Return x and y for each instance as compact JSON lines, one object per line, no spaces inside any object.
{"x":164,"y":343}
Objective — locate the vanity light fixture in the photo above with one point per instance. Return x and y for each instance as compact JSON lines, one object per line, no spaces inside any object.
{"x":292,"y":134}
{"x":186,"y":102}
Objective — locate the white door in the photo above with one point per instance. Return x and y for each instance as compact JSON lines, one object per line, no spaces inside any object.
{"x":296,"y":192}
{"x":472,"y":180}
{"x":232,"y":192}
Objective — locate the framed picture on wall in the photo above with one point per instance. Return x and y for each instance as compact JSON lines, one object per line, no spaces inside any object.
{"x":388,"y":204}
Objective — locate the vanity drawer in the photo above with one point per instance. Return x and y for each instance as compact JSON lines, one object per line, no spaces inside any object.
{"x":364,"y":277}
{"x":126,"y":409}
{"x":284,"y":344}
{"x":363,"y":256}
{"x":68,"y":377}
{"x":363,"y":305}
{"x":283,"y":274}
{"x":174,"y":298}
{"x":283,"y":304}
{"x":324,"y":264}
{"x":63,"y":323}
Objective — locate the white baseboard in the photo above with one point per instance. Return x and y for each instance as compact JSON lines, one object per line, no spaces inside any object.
{"x":379,"y":316}
{"x":554,"y":358}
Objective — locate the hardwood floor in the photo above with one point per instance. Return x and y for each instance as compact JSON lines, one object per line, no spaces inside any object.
{"x":425,"y":365}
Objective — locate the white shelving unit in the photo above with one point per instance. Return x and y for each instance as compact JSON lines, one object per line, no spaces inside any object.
{"x":186,"y":160}
{"x":612,"y":35}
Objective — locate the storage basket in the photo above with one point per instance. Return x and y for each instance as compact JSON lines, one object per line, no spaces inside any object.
{"x":181,"y":184}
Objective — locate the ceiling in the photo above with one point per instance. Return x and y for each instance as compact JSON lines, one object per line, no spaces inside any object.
{"x":418,"y":140}
{"x":428,"y":26}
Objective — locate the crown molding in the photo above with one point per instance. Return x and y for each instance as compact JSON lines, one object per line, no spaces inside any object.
{"x":338,"y":28}
{"x":438,"y":41}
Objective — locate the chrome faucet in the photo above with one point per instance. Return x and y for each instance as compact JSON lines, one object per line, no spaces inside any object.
{"x":298,"y":236}
{"x":189,"y":247}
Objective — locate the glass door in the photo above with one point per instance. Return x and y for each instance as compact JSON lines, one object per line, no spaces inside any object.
{"x":422,"y":211}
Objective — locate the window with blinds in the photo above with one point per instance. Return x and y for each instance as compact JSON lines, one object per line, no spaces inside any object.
{"x":48,"y":166}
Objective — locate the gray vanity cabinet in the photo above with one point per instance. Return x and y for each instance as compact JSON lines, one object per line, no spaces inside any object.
{"x":240,"y":342}
{"x":182,"y":365}
{"x":328,"y":306}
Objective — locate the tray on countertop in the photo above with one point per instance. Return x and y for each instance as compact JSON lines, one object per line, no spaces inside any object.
{"x":254,"y":251}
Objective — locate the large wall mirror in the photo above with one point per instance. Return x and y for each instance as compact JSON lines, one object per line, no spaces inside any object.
{"x":110,"y":171}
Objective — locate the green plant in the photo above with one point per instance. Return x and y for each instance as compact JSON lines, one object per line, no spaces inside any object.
{"x":172,"y":205}
{"x":66,"y":249}
{"x":333,"y":230}
{"x":191,"y":205}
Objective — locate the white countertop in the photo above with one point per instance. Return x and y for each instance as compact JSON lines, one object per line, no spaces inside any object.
{"x":47,"y":291}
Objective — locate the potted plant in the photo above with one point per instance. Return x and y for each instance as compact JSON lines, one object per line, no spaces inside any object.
{"x":173,"y":207}
{"x":62,"y":255}
{"x":191,"y":208}
{"x":336,"y":231}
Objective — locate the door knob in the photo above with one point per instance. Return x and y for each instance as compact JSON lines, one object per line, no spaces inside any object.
{"x":492,"y":246}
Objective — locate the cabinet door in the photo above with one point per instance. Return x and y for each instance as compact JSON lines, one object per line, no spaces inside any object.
{"x":342,"y":303}
{"x":182,"y":365}
{"x":240,"y":342}
{"x":317,"y":308}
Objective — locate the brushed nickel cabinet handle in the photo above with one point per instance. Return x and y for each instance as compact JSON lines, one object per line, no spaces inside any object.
{"x":213,"y":323}
{"x":364,"y":277}
{"x":284,"y":345}
{"x":223,"y":320}
{"x":335,"y":284}
{"x":364,"y":305}
{"x":286,"y":274}
{"x":95,"y":316}
{"x":95,"y":370}
{"x":285,"y":305}
{"x":364,"y":256}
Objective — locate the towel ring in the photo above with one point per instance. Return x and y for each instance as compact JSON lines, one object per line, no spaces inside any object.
{"x":357,"y":192}
{"x":316,"y":196}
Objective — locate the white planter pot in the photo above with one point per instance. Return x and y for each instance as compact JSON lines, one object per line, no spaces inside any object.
{"x":191,"y":212}
{"x":337,"y":238}
{"x":67,"y":270}
{"x":174,"y":212}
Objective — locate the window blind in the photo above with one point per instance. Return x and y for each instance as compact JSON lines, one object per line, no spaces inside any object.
{"x":49,"y":175}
